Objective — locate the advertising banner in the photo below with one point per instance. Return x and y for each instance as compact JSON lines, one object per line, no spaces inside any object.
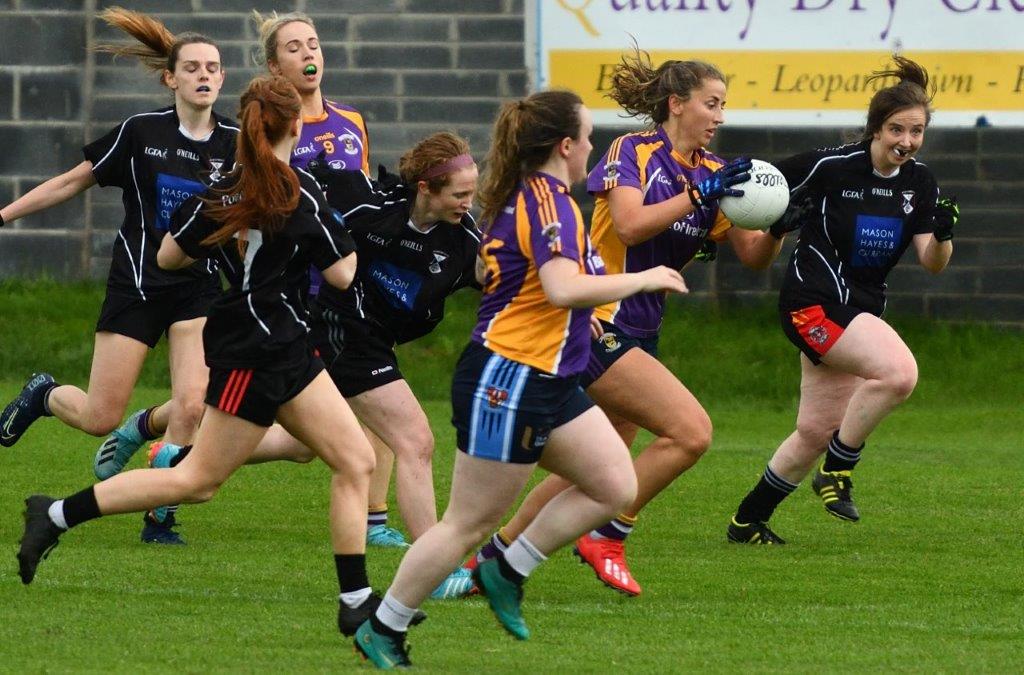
{"x":793,"y":62}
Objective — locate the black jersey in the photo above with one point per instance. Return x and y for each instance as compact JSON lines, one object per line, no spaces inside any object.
{"x":404,"y":273}
{"x":157,"y":168}
{"x":262,"y":316}
{"x":865,"y":223}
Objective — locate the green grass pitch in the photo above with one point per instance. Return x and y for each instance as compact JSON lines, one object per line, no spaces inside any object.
{"x":929,"y":580}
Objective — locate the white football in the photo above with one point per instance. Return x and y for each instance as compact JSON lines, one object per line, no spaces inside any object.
{"x":764,"y":200}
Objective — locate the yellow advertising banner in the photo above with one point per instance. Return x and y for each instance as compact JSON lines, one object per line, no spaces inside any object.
{"x":813,"y":80}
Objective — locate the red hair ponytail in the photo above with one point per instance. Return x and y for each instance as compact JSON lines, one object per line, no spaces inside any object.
{"x":267,"y":190}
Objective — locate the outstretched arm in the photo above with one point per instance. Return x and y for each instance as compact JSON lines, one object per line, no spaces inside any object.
{"x":54,"y":191}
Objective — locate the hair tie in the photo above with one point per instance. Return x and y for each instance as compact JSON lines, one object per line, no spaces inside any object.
{"x":450,"y":166}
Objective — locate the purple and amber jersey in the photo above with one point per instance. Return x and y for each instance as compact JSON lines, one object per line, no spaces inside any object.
{"x":516,"y":320}
{"x":340,"y":133}
{"x":646,"y":161}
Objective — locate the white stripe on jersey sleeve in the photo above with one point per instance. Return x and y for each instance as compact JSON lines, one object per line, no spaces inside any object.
{"x":316,"y":212}
{"x":121,"y":132}
{"x":822,"y":161}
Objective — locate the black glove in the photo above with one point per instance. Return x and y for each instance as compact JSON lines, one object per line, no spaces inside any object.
{"x":944,"y":217}
{"x":320,"y":169}
{"x":719,"y":184}
{"x":387,"y":181}
{"x":800,"y":210}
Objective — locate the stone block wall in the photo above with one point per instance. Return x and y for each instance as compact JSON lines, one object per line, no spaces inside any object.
{"x":414,"y":67}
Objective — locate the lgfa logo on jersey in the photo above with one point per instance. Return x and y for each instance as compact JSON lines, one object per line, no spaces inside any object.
{"x":908,"y":201}
{"x":156,"y":152}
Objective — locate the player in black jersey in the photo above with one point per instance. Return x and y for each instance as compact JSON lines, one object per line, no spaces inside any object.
{"x":290,"y":47}
{"x":265,"y":224}
{"x":158,"y":159}
{"x":874,"y":200}
{"x":417,"y":245}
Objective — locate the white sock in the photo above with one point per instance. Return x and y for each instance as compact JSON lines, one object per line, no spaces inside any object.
{"x":355,"y":598}
{"x":56,"y":513}
{"x":394,"y":614}
{"x":522,"y":556}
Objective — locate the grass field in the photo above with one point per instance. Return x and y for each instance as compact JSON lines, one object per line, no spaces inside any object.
{"x":929,"y":580}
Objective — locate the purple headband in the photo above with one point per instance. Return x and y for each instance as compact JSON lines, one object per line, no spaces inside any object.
{"x":452,"y":165}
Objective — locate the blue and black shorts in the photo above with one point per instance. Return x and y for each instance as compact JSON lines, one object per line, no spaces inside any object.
{"x":610,"y":347}
{"x":504,"y":410}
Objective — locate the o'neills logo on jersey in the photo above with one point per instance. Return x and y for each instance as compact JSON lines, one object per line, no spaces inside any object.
{"x":156,"y":152}
{"x":187,"y":154}
{"x":416,"y":246}
{"x":853,"y":194}
{"x":881,"y":192}
{"x":324,"y":137}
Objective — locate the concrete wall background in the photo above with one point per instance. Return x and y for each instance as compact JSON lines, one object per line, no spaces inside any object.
{"x":414,"y":67}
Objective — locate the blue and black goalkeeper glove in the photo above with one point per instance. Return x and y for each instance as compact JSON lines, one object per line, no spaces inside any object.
{"x":720,"y":183}
{"x":944,"y":217}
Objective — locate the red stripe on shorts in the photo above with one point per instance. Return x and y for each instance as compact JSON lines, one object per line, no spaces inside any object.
{"x":240,"y":388}
{"x":226,"y":394}
{"x":818,"y":331}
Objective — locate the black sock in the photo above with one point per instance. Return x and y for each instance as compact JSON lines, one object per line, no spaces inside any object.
{"x":81,"y":507}
{"x":761,"y":502}
{"x":507,"y":571}
{"x":44,"y":399}
{"x":379,"y":628}
{"x":351,"y":568}
{"x":841,"y":457}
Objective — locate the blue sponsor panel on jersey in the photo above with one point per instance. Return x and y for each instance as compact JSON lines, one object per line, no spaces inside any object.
{"x":875,"y":240}
{"x":400,"y":286}
{"x":171,"y":192}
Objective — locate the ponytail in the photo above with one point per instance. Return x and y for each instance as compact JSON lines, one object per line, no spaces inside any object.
{"x":910,"y":91}
{"x":266,"y":191}
{"x":158,"y":48}
{"x":525,"y":132}
{"x":643,"y":90}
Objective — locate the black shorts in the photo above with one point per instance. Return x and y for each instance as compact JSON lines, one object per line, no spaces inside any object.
{"x":146,"y":320}
{"x":504,"y":411}
{"x":356,"y":357}
{"x":816,"y":328}
{"x":609,"y":348}
{"x":255,"y":394}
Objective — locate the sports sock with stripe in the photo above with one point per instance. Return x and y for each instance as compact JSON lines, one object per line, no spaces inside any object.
{"x":522,"y":557}
{"x":619,"y":528}
{"x":841,"y":457}
{"x":393,"y":615}
{"x":761,"y":502}
{"x":377,"y":515}
{"x":75,"y":510}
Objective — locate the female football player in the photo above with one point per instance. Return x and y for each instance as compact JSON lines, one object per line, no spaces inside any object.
{"x":657,"y":195}
{"x":266,"y":223}
{"x":516,"y":398}
{"x":158,"y":159}
{"x":873,"y":201}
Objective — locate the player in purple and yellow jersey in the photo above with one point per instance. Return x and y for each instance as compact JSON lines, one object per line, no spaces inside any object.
{"x":657,"y":197}
{"x":158,"y":159}
{"x":516,"y":398}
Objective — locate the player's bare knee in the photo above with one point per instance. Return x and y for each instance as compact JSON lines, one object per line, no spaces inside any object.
{"x":623,"y":492}
{"x":902,"y":379}
{"x":188,"y":411}
{"x":814,"y":434}
{"x":100,"y":423}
